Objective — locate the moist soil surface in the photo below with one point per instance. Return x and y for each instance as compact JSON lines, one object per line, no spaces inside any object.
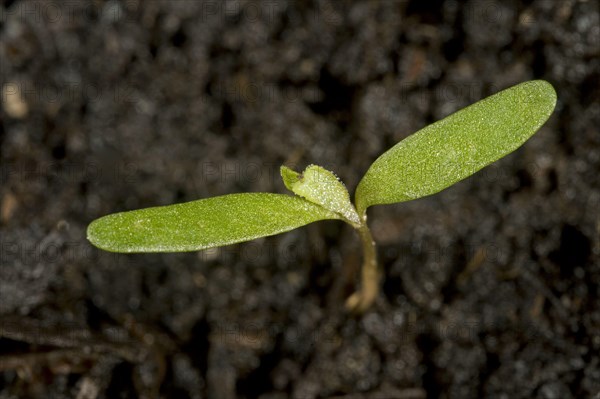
{"x":491,"y":288}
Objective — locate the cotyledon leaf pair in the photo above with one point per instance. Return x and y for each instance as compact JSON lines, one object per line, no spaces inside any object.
{"x":424,"y":163}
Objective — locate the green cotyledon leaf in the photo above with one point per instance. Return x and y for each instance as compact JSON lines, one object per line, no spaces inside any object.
{"x":457,"y":146}
{"x":205,"y":223}
{"x":322,"y":187}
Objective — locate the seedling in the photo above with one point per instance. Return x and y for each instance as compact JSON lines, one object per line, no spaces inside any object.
{"x":424,"y":163}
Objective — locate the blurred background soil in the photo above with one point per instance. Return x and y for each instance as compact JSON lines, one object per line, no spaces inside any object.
{"x":491,"y":287}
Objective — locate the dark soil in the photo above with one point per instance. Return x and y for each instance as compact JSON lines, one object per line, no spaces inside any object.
{"x":492,"y":288}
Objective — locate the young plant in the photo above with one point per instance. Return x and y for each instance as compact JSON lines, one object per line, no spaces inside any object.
{"x":424,"y":163}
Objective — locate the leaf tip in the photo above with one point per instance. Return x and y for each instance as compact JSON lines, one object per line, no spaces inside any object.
{"x":550,"y":92}
{"x":94,"y":234}
{"x":289,"y":177}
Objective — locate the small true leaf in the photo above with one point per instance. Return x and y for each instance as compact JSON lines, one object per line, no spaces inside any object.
{"x":322,"y":187}
{"x":204,"y":223}
{"x":454,"y":148}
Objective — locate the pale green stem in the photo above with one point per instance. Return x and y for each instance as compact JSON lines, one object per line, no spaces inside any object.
{"x":362,"y":299}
